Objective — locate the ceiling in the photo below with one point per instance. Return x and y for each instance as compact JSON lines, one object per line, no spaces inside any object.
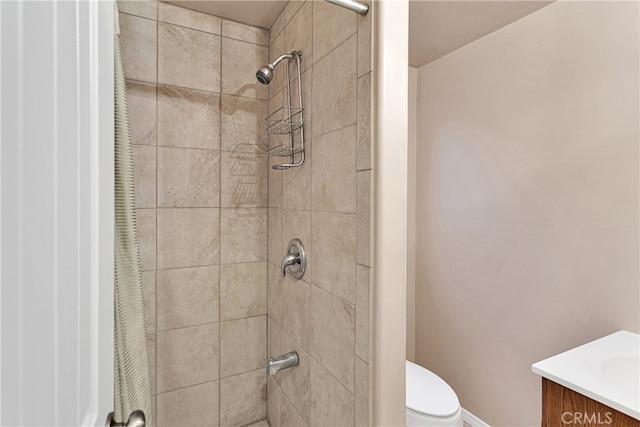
{"x":440,"y":27}
{"x":253,"y":12}
{"x":436,"y":27}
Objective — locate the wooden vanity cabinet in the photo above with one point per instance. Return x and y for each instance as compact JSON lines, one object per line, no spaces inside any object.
{"x":564,"y":407}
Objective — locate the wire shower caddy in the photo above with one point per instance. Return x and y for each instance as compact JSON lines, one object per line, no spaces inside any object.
{"x":286,"y":120}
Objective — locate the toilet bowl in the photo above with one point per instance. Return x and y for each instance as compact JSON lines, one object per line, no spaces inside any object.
{"x":430,"y":400}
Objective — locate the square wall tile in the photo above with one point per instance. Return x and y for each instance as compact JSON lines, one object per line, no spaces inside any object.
{"x":142,"y":8}
{"x":365,"y":55}
{"x":291,"y":9}
{"x":151,"y":356}
{"x":297,"y":225}
{"x":298,"y":33}
{"x":243,"y":398}
{"x":333,"y":179}
{"x":362,"y":313}
{"x":275,"y":183}
{"x":144,"y":175}
{"x":246,"y":33}
{"x":153,"y":411}
{"x":188,"y":237}
{"x":188,"y":18}
{"x":335,"y":87}
{"x":331,"y":403}
{"x":276,"y":48}
{"x":188,"y":178}
{"x":243,"y":345}
{"x":244,"y":179}
{"x":274,"y":293}
{"x":188,"y":58}
{"x":290,"y":417}
{"x":146,"y":231}
{"x":187,"y":297}
{"x":243,"y":125}
{"x":149,"y":295}
{"x":362,"y":394}
{"x":274,"y":397}
{"x":295,"y":309}
{"x":275,"y":339}
{"x":142,"y":109}
{"x":243,"y":235}
{"x":295,"y":382}
{"x":333,"y":324}
{"x":307,"y":101}
{"x":187,"y":356}
{"x":364,"y":123}
{"x":192,"y":406}
{"x":138,"y":41}
{"x":243,"y":290}
{"x":363,"y":232}
{"x":240,"y":61}
{"x":275,"y":251}
{"x":331,"y":26}
{"x":188,"y":118}
{"x":277,"y":26}
{"x":333,"y":261}
{"x":296,"y":182}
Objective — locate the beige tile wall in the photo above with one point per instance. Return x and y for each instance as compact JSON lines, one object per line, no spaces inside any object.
{"x":325,"y":203}
{"x":200,"y":171}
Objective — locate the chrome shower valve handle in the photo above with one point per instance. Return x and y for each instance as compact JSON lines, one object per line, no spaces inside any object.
{"x":295,"y":260}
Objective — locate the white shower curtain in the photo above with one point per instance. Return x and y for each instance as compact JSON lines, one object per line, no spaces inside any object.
{"x":132,"y":387}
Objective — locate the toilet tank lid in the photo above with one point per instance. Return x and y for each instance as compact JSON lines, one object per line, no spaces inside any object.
{"x":429,"y":394}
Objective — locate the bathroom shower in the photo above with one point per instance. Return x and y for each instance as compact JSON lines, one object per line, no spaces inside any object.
{"x":288,"y":118}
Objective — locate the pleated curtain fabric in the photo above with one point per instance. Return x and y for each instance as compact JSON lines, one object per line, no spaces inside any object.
{"x":132,"y":386}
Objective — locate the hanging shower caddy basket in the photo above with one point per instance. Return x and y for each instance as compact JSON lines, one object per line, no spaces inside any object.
{"x":284,"y":120}
{"x":288,"y":119}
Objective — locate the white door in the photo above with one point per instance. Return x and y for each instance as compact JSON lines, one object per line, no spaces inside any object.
{"x":56,"y":212}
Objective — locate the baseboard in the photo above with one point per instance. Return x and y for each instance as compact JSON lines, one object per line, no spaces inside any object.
{"x":471,"y":420}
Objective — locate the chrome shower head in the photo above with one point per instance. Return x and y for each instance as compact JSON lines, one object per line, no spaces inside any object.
{"x":265,"y":74}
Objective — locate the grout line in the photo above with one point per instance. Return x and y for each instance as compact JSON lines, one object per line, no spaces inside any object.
{"x":244,"y":41}
{"x":182,"y":328}
{"x":250,"y":371}
{"x":193,"y":89}
{"x":219,"y":240}
{"x":155,"y":352}
{"x":188,"y":386}
{"x":220,"y":34}
{"x":317,"y":60}
{"x":199,"y":30}
{"x":136,"y":16}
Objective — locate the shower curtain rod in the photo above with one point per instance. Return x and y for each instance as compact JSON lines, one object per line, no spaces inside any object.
{"x":359,"y":8}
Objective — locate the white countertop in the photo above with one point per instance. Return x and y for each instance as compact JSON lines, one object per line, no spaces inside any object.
{"x":607,"y":370}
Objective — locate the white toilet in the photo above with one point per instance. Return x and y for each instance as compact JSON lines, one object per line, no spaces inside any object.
{"x":430,"y":400}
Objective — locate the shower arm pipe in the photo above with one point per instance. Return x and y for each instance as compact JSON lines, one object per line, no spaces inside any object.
{"x":359,"y":8}
{"x":290,"y":56}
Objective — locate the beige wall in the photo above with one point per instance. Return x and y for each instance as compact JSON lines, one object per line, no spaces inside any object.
{"x":411,"y":215}
{"x":325,"y":203}
{"x":196,"y":114}
{"x":527,"y":201}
